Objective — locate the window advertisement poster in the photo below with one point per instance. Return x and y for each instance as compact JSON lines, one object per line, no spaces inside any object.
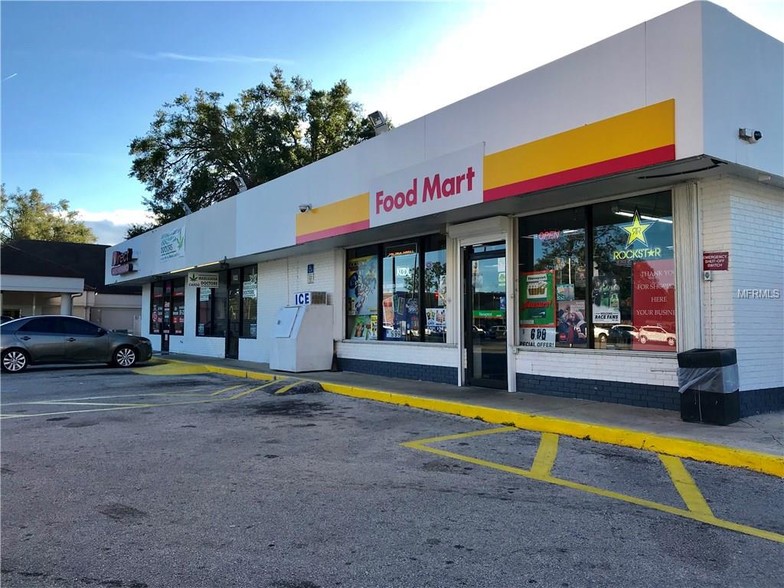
{"x":537,"y":309}
{"x":572,"y":328}
{"x":362,"y":296}
{"x":537,"y":294}
{"x":606,"y":300}
{"x":436,"y":319}
{"x":653,"y":300}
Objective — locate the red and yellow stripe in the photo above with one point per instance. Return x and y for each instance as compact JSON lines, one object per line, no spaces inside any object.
{"x":621,"y":143}
{"x":338,"y":218}
{"x":628,"y":141}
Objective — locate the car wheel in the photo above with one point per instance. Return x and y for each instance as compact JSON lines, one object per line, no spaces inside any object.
{"x":15,"y":360}
{"x":124,"y":356}
{"x":643,"y":339}
{"x":671,"y":341}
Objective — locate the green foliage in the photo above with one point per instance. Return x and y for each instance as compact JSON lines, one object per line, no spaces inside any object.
{"x":199,"y":151}
{"x":25,"y":215}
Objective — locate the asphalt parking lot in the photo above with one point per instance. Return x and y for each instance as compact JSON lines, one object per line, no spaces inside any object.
{"x":145,"y":478}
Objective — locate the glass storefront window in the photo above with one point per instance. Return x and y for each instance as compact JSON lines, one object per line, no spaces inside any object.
{"x":410,"y":305}
{"x":156,"y":311}
{"x":633,"y":281}
{"x":434,"y":290}
{"x":552,"y":280}
{"x":400,"y":298}
{"x":362,"y":294}
{"x":249,"y":297}
{"x":204,"y":325}
{"x":167,"y":307}
{"x":238,"y":299}
{"x":178,"y":307}
{"x":601,"y":276}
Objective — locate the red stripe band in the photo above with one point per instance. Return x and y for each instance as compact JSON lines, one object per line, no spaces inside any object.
{"x":586,"y":172}
{"x":334,"y":231}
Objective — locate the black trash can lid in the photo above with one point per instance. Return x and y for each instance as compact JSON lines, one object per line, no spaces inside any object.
{"x":707,"y":358}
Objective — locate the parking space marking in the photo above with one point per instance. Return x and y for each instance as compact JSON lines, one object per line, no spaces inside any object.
{"x":545,"y":455}
{"x":62,"y":412}
{"x":227,"y":389}
{"x":699,"y":514}
{"x":249,"y":391}
{"x":685,"y":485}
{"x":194,"y":396}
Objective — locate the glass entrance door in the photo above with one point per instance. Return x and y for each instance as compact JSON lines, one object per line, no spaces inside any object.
{"x":485,"y":314}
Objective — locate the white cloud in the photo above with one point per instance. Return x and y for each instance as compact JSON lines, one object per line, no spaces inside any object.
{"x":210,"y":58}
{"x":111,"y":226}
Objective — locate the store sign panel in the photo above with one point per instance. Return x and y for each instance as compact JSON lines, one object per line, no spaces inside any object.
{"x":202,"y":280}
{"x":448,"y":182}
{"x":121,"y":262}
{"x":173,"y":244}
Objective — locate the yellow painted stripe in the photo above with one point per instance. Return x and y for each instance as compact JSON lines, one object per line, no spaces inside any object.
{"x":685,"y":485}
{"x":173,"y":368}
{"x":632,"y":132}
{"x":249,"y":391}
{"x":343,"y":212}
{"x":227,"y":389}
{"x":545,"y":455}
{"x":760,"y":462}
{"x":288,"y":387}
{"x":697,"y":516}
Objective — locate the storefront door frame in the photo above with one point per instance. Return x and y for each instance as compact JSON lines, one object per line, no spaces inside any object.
{"x":498,"y":228}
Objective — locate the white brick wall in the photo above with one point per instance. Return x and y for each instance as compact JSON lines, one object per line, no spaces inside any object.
{"x":643,"y":368}
{"x":745,"y":218}
{"x":409,"y":353}
{"x":278,"y":281}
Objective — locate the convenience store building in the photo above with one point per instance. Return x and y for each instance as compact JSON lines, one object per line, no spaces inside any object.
{"x":566,"y":232}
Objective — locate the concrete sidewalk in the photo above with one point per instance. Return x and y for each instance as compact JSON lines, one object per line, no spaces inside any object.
{"x":755,"y":443}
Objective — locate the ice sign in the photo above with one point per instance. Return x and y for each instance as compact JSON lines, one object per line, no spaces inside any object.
{"x":301,"y":298}
{"x":307,"y":298}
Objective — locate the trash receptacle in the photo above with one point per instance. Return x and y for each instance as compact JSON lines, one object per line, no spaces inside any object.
{"x":708,"y":384}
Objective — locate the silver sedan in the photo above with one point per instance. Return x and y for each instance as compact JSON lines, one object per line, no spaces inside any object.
{"x":48,"y":339}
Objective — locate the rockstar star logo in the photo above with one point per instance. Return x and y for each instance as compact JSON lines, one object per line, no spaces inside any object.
{"x":636,"y":230}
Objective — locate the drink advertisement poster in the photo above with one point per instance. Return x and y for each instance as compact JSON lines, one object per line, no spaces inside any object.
{"x":362,"y":286}
{"x":537,"y":299}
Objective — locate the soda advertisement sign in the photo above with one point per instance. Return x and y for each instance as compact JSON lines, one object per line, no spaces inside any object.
{"x":537,"y":299}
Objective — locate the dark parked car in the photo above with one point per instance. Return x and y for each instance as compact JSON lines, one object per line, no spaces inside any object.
{"x":67,"y":339}
{"x":622,"y":334}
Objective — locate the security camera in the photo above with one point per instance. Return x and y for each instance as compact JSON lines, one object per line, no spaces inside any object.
{"x":749,"y":135}
{"x":305,"y":207}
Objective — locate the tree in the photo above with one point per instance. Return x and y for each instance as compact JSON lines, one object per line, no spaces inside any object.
{"x":198,"y":151}
{"x":25,"y":215}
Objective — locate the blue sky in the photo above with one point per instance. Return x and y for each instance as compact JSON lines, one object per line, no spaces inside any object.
{"x":80,"y":80}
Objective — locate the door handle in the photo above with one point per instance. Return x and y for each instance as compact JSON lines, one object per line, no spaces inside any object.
{"x":25,"y":338}
{"x":71,"y":339}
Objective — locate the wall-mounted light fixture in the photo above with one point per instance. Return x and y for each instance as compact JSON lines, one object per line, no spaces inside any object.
{"x":379,"y":122}
{"x":305,"y":207}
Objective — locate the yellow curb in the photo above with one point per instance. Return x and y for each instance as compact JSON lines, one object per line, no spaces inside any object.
{"x":764,"y":463}
{"x":718,"y":454}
